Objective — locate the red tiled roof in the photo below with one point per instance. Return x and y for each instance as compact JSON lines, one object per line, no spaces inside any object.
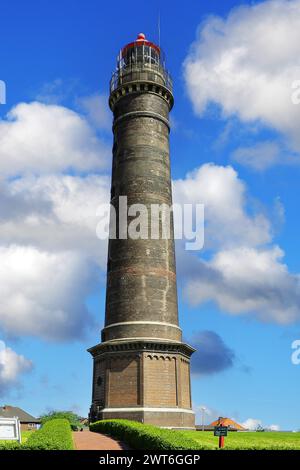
{"x":8,"y":411}
{"x":228,"y":422}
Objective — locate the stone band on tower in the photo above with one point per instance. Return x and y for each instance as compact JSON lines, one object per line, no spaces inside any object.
{"x":141,"y":367}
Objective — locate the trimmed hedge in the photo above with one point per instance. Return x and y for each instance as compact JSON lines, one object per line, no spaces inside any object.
{"x":144,"y":436}
{"x":10,"y":445}
{"x":54,"y":435}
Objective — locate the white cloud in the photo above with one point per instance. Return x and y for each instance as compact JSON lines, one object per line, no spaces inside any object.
{"x":47,"y":138}
{"x":54,"y":212}
{"x":252,"y":424}
{"x":247,"y":63}
{"x":57,"y":91}
{"x":43,"y":293}
{"x":224,"y":196}
{"x":97,"y":111}
{"x":12,"y":365}
{"x":274,"y":427}
{"x":245,"y":273}
{"x":248,"y":280}
{"x":259,"y":157}
{"x":49,"y":250}
{"x":50,"y":255}
{"x":210,"y":414}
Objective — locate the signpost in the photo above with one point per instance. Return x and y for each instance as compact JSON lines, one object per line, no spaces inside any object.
{"x":10,"y":429}
{"x":221,"y":431}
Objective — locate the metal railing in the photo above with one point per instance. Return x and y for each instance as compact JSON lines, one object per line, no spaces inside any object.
{"x":140,"y":72}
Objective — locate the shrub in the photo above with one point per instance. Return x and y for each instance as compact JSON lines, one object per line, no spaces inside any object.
{"x":54,"y":435}
{"x":10,"y":445}
{"x":144,"y":436}
{"x":73,"y":418}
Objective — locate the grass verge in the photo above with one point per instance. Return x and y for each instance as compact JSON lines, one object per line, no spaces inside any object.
{"x":146,"y":437}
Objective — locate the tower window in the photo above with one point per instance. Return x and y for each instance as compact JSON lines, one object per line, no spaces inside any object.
{"x":99,"y":381}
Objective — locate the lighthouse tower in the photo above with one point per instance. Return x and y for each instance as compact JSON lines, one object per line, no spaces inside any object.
{"x":141,"y":367}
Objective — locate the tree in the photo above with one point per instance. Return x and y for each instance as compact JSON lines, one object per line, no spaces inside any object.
{"x":72,"y":417}
{"x":259,"y":428}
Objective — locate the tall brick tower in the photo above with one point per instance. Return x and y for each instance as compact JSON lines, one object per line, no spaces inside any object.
{"x":141,"y":367}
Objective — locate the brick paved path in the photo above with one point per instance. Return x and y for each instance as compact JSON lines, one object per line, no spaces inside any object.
{"x":87,"y":440}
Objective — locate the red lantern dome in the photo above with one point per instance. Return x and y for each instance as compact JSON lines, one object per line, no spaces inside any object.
{"x":140,"y":42}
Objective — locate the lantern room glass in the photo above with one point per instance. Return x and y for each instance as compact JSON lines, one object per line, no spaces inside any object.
{"x":137,"y":59}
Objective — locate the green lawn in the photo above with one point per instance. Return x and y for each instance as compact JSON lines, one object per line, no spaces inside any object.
{"x":249,"y":440}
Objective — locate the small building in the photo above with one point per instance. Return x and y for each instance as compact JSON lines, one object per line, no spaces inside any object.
{"x":28,"y":422}
{"x":84,"y":421}
{"x":232,"y":425}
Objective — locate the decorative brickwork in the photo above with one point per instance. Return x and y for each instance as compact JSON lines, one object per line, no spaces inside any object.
{"x":160,"y":370}
{"x":124,"y":382}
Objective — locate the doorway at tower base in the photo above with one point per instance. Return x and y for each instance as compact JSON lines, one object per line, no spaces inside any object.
{"x":163,"y":417}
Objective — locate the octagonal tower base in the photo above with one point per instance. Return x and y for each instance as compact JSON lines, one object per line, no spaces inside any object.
{"x":143,"y":381}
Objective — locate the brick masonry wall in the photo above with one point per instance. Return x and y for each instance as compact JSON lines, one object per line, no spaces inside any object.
{"x":99,"y":380}
{"x":124,"y":383}
{"x":160,"y":380}
{"x":185,"y":383}
{"x":141,"y":294}
{"x":156,"y":380}
{"x":141,"y":274}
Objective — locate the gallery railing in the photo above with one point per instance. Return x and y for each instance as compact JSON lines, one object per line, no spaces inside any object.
{"x":141,"y":72}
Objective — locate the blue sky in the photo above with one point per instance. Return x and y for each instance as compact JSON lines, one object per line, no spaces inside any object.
{"x":60,"y":55}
